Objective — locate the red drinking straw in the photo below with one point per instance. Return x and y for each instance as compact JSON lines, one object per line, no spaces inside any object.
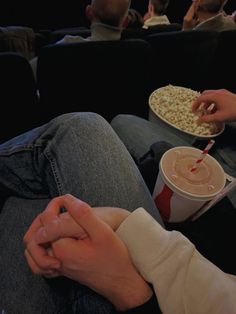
{"x":202,"y":156}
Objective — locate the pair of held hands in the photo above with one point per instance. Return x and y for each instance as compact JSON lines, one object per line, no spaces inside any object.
{"x":81,"y":244}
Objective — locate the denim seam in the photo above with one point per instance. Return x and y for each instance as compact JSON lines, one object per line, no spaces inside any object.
{"x":8,"y":151}
{"x":54,"y":171}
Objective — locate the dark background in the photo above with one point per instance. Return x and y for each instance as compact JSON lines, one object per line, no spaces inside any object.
{"x":53,"y":15}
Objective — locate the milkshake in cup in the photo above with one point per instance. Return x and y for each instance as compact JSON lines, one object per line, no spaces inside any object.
{"x":180,"y":192}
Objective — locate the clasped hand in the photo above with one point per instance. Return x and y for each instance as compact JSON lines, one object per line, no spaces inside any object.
{"x":80,"y":244}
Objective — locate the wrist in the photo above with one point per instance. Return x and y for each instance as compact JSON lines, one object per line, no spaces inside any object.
{"x":119,"y":217}
{"x":113,"y":216}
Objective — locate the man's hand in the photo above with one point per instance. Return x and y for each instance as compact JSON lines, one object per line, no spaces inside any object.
{"x":190,"y":18}
{"x":223,"y":105}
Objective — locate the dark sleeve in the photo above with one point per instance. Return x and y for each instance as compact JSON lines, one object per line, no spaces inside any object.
{"x":150,"y":307}
{"x":148,"y":164}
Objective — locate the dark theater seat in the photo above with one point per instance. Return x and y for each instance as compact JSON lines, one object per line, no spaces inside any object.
{"x":18,"y":96}
{"x":183,"y":58}
{"x":107,"y":77}
{"x":143,"y":33}
{"x":224,"y":65}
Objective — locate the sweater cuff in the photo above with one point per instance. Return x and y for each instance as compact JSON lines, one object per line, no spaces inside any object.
{"x":150,"y":307}
{"x":141,"y":233}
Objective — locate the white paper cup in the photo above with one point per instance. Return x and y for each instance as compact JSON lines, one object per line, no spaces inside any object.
{"x":179,"y":196}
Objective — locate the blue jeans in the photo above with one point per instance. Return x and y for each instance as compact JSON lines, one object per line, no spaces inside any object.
{"x":139,"y":134}
{"x":77,"y":153}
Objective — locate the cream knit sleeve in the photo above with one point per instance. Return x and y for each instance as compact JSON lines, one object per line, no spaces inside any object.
{"x":184,"y":281}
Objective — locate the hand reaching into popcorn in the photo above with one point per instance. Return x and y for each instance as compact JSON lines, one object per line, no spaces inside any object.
{"x":217,"y":105}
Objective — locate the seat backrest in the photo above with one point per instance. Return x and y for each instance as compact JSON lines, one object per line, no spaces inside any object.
{"x":18,"y":96}
{"x":183,"y":58}
{"x":20,"y":39}
{"x":107,"y":77}
{"x":143,"y":33}
{"x":224,"y":64}
{"x":74,"y":31}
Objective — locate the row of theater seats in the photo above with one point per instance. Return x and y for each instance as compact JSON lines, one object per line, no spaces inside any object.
{"x":28,"y":42}
{"x":112,"y":77}
{"x":49,"y":36}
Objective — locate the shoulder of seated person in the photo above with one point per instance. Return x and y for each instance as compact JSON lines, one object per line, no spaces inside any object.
{"x":71,"y":39}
